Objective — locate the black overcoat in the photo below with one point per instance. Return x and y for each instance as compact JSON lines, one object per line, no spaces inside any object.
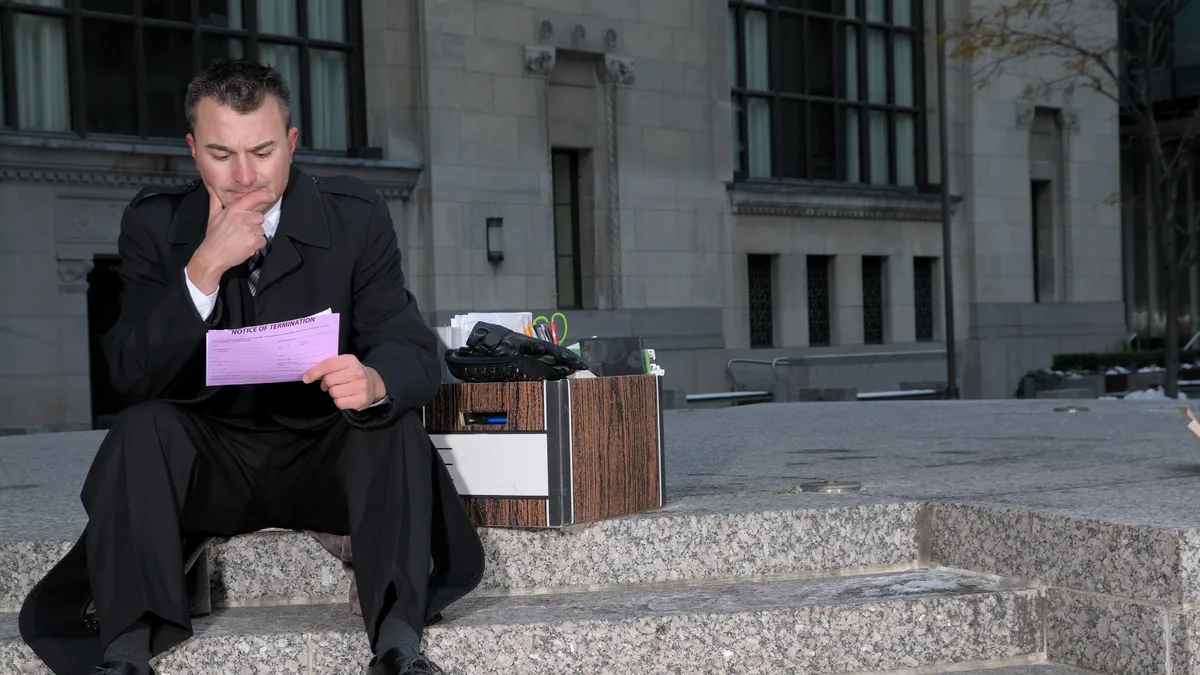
{"x":335,"y":248}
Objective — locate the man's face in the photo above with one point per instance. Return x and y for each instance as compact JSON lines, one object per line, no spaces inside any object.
{"x":236,"y":153}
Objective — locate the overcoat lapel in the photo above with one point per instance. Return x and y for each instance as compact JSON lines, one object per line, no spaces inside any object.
{"x":301,"y":219}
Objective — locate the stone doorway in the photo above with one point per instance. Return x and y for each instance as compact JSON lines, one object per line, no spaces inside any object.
{"x":103,"y":308}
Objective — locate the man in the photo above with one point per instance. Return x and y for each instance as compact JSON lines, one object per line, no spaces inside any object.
{"x":343,"y":452}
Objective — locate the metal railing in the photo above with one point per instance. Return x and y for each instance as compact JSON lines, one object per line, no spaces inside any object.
{"x":784,"y":360}
{"x":750,"y":396}
{"x":773,"y":363}
{"x":902,"y":395}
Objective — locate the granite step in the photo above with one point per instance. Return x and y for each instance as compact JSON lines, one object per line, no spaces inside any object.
{"x":1042,"y":668}
{"x":851,"y":624}
{"x":686,"y":541}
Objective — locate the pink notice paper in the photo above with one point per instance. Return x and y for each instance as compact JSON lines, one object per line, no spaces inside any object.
{"x":273,"y":352}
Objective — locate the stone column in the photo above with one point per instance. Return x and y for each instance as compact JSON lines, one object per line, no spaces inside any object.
{"x":791,"y":329}
{"x":75,"y":362}
{"x":900,"y":301}
{"x":615,"y":72}
{"x":1068,"y":122}
{"x":540,"y":62}
{"x":847,"y":309}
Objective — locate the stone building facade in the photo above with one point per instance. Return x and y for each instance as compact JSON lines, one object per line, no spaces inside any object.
{"x":731,"y":180}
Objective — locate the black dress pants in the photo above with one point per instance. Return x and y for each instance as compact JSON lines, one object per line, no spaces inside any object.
{"x":166,"y":471}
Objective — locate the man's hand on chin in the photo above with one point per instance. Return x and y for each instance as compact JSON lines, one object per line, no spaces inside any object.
{"x":352,"y":385}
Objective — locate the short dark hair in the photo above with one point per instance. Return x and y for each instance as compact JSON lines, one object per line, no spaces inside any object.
{"x":240,"y":84}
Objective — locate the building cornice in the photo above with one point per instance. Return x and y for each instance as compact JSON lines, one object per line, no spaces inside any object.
{"x":11,"y":174}
{"x":836,"y":211}
{"x":835,"y":204}
{"x":133,"y":165}
{"x":110,"y":179}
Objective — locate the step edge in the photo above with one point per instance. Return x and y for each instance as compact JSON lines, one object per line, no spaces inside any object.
{"x":1004,"y":586}
{"x":615,"y":522}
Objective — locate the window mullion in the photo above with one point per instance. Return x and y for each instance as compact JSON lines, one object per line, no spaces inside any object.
{"x":890,"y":66}
{"x":10,"y":70}
{"x":743,"y":120}
{"x":773,"y":60}
{"x":195,"y":14}
{"x":306,"y":121}
{"x":864,"y":113}
{"x":839,"y":94}
{"x":250,"y":20}
{"x":352,"y":19}
{"x":919,"y":90}
{"x":139,"y":68}
{"x":78,"y":84}
{"x":807,"y":107}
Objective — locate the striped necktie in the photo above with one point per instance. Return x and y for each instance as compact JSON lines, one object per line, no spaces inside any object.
{"x":254,"y":264}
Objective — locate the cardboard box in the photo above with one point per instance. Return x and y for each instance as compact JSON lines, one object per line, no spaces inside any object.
{"x":551,"y":454}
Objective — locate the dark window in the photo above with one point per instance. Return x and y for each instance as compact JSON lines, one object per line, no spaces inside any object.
{"x":923,"y":297}
{"x":566,"y":228}
{"x":1041,"y":236}
{"x":827,"y":90}
{"x":818,"y":300}
{"x":872,"y":298}
{"x":122,"y":67}
{"x":762,"y":306}
{"x":1187,"y":37}
{"x":1156,"y":32}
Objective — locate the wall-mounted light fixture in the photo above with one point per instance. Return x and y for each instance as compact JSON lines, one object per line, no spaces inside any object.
{"x":495,"y":239}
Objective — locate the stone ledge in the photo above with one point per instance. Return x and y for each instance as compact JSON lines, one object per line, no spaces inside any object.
{"x":674,"y":544}
{"x":1148,"y":564}
{"x":1108,"y":634}
{"x":1143,"y":562}
{"x":840,"y":625}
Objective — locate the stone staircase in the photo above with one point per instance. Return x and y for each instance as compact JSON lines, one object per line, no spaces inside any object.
{"x":809,"y":585}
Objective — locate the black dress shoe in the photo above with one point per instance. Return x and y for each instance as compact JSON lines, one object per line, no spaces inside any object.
{"x":393,"y":662}
{"x":116,"y":668}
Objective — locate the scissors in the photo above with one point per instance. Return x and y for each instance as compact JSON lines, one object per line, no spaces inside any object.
{"x":556,"y":338}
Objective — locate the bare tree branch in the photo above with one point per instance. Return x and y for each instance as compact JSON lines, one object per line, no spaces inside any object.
{"x":1186,"y":138}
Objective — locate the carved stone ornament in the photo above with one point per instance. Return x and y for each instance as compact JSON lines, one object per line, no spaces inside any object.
{"x":1069,"y":120}
{"x":617,"y":70}
{"x":72,"y":274}
{"x":1025,"y":111}
{"x":610,"y":39}
{"x":539,"y":60}
{"x":579,"y":33}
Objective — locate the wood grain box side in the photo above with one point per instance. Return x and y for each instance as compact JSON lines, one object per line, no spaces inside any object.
{"x":616,"y":446}
{"x":514,"y":512}
{"x":522,"y":402}
{"x":524,"y":405}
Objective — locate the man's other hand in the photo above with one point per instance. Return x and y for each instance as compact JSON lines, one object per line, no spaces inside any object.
{"x":233,"y":235}
{"x":352,"y":385}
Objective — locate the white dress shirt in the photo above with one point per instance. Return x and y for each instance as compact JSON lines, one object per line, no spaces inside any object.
{"x":206,"y":303}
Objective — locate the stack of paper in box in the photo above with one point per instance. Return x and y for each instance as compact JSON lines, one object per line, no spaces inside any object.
{"x":461,"y":325}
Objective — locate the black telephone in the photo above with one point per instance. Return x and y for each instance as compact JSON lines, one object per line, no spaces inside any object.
{"x":498,"y":354}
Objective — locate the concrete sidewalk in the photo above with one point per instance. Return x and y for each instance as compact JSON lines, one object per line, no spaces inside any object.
{"x":1072,"y":537}
{"x":1128,"y":461}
